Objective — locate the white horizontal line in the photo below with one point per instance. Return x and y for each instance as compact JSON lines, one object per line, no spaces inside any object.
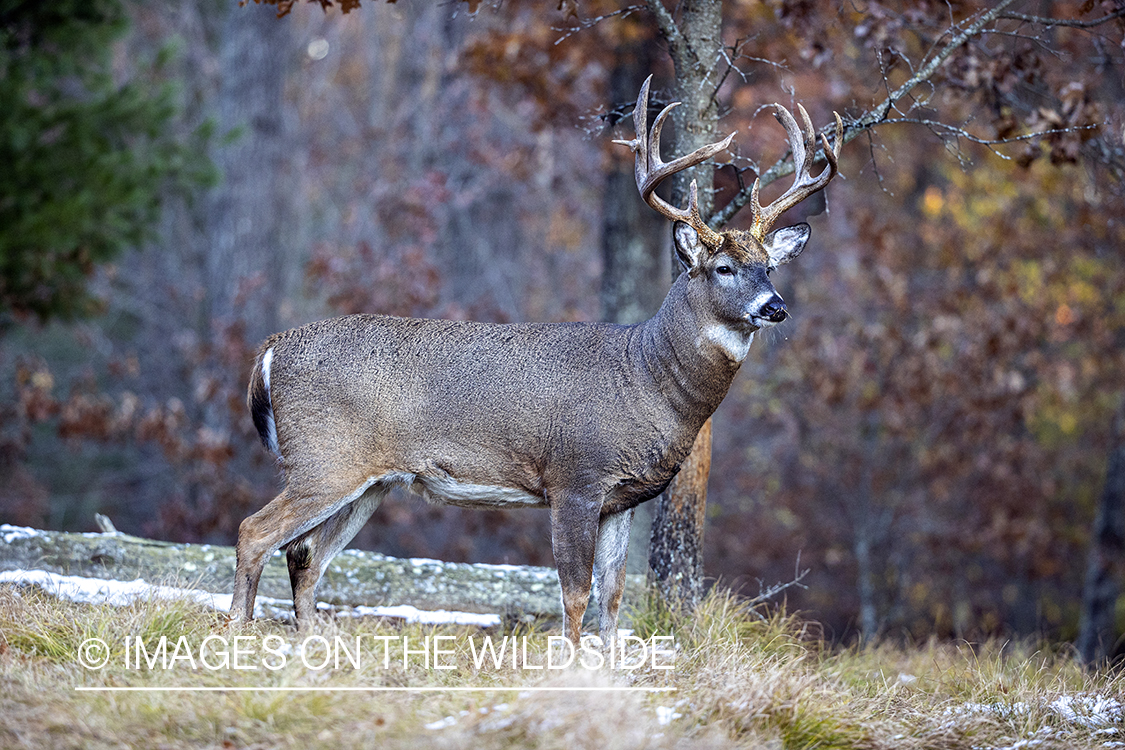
{"x":322,"y":689}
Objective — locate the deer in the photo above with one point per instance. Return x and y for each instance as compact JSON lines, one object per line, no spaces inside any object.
{"x":587,"y":420}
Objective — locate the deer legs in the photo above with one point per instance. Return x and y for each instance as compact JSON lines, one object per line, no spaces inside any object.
{"x":585,"y":543}
{"x":283,"y":519}
{"x":308,"y":555}
{"x":609,"y":569}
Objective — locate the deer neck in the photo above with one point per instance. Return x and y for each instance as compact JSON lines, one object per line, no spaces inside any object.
{"x":690,"y":354}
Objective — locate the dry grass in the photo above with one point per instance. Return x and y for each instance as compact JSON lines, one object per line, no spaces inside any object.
{"x":740,"y":681}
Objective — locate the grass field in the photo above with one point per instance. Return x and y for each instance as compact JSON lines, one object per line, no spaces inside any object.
{"x":736,"y":679}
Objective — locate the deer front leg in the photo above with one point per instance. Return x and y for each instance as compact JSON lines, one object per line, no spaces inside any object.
{"x":609,"y":569}
{"x":308,"y":556}
{"x":574,"y":531}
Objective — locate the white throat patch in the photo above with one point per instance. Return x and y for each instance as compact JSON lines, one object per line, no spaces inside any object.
{"x":735,"y":344}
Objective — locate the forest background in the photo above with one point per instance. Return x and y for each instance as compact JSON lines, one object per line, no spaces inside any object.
{"x":929,"y":435}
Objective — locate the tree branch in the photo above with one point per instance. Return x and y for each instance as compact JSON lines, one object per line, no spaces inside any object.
{"x":1056,"y":22}
{"x":876,"y":115}
{"x":683,"y":53}
{"x":668,"y":29}
{"x":958,"y":132}
{"x":589,"y":23}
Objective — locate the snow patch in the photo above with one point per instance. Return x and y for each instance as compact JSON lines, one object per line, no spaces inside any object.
{"x":121,"y":593}
{"x":428,"y":617}
{"x":11,"y":533}
{"x":492,"y":723}
{"x":1088,"y":710}
{"x":413,"y":614}
{"x":445,"y":723}
{"x":100,"y":591}
{"x":1081,"y":709}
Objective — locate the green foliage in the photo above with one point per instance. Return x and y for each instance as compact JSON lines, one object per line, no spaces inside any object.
{"x":85,"y":155}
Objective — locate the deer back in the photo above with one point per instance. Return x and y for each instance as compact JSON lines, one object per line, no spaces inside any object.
{"x":515,"y":407}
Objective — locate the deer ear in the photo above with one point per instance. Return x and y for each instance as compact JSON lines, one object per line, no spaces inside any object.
{"x":689,"y":248}
{"x":785,"y":244}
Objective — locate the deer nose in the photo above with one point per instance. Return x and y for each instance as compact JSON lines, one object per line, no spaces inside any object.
{"x":774,"y":310}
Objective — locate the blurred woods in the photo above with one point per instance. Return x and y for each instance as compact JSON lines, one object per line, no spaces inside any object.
{"x":928,"y":434}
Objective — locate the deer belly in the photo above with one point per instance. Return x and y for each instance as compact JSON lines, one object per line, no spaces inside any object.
{"x":446,"y":490}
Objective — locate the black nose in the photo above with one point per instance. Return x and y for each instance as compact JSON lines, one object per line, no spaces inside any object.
{"x":774,"y":310}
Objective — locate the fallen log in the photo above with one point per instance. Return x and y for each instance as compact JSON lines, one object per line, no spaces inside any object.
{"x":354,"y":577}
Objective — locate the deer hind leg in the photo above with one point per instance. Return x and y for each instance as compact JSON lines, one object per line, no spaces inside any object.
{"x":283,"y":519}
{"x":609,"y":569}
{"x":309,"y":554}
{"x":574,"y":530}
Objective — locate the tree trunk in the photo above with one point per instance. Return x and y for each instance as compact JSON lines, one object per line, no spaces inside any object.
{"x":1106,"y":561}
{"x":870,"y":522}
{"x":634,"y":238}
{"x":865,"y":582}
{"x":676,"y":549}
{"x":676,"y":552}
{"x":249,"y":223}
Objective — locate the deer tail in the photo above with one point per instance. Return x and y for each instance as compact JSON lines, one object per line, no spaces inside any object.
{"x":261,"y":404}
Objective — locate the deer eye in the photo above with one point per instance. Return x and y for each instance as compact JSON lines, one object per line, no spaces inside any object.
{"x":725,"y":271}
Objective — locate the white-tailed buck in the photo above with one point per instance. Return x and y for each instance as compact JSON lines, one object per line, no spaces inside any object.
{"x":585,"y":419}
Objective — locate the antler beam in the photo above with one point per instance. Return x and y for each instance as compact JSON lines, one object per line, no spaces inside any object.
{"x":650,"y":170}
{"x":802,"y":144}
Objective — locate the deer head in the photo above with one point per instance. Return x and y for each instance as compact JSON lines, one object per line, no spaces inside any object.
{"x":733,"y":265}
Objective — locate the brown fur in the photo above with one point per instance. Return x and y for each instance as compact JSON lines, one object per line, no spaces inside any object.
{"x":587,"y":419}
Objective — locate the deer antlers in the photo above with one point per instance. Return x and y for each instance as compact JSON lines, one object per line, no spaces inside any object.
{"x":803,"y":147}
{"x":650,"y":170}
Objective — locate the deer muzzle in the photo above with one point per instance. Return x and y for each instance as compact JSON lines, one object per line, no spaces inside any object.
{"x":773,"y":310}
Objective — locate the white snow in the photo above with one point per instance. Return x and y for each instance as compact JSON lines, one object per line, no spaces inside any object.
{"x":413,"y":614}
{"x":445,"y":723}
{"x":11,"y":533}
{"x":490,"y":724}
{"x":498,"y":569}
{"x":1088,"y":710}
{"x":1082,"y":709}
{"x":97,"y":591}
{"x":420,"y":561}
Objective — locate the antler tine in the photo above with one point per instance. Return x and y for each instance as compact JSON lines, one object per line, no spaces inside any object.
{"x":802,"y":144}
{"x":649,"y":170}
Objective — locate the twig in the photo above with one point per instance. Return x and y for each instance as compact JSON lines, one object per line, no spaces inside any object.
{"x":876,"y":115}
{"x":591,"y":22}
